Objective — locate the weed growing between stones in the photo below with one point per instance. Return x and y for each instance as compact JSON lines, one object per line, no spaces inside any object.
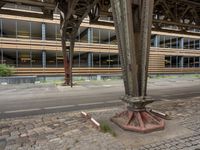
{"x":105,"y":128}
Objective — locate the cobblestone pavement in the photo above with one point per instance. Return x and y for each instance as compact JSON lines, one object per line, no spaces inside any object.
{"x":54,"y":132}
{"x":188,"y":114}
{"x":69,"y":131}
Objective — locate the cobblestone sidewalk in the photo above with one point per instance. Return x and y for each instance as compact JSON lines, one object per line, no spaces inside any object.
{"x":54,"y":132}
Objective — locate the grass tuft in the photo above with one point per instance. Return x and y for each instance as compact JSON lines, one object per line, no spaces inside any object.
{"x":105,"y":128}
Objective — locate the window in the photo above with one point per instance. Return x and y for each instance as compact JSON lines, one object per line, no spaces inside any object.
{"x":9,"y":57}
{"x":114,"y":60}
{"x":51,"y":59}
{"x":24,"y":58}
{"x":8,"y":28}
{"x":50,"y":32}
{"x":36,"y":58}
{"x":167,"y":61}
{"x":23,"y":29}
{"x":36,"y":30}
{"x":197,"y":62}
{"x":186,"y":62}
{"x":96,"y":59}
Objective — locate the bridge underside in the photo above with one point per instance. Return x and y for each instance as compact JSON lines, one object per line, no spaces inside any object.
{"x":134,"y":20}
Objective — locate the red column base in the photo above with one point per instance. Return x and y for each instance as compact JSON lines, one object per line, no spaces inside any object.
{"x":139,"y":121}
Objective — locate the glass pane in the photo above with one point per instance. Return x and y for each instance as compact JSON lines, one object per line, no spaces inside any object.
{"x":104,"y":36}
{"x":105,"y":60}
{"x":173,"y":60}
{"x":186,"y":43}
{"x":167,"y":42}
{"x":96,"y":36}
{"x":76,"y":59}
{"x":186,"y":62}
{"x":191,"y":60}
{"x":83,"y":59}
{"x":23,"y":29}
{"x":58,"y":36}
{"x":192,"y":44}
{"x":113,"y":38}
{"x":59,"y":59}
{"x":7,"y":25}
{"x":197,"y":62}
{"x":114,"y":60}
{"x":174,"y":42}
{"x":162,"y":41}
{"x":51,"y":59}
{"x":96,"y":60}
{"x":50,"y":32}
{"x":84,"y":35}
{"x":167,"y":61}
{"x":197,"y":44}
{"x":36,"y":30}
{"x":24,"y":58}
{"x":36,"y":58}
{"x":9,"y":57}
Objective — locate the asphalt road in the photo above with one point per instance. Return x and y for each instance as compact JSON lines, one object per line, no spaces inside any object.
{"x":24,"y":100}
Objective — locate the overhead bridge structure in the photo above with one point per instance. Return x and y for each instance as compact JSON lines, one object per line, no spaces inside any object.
{"x":133,"y":20}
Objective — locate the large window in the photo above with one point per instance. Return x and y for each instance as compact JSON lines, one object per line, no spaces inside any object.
{"x":96,"y":59}
{"x":51,"y":59}
{"x":23,"y":29}
{"x":36,"y":30}
{"x":96,"y":35}
{"x":9,"y":28}
{"x":9,"y":57}
{"x":105,"y":60}
{"x":36,"y":58}
{"x":104,"y":36}
{"x":76,"y":59}
{"x":24,"y":58}
{"x":114,"y":60}
{"x":50,"y":32}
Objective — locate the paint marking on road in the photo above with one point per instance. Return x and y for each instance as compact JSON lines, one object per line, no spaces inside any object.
{"x":22,"y":110}
{"x":107,"y":85}
{"x":56,"y":107}
{"x":87,"y":104}
{"x":114,"y":101}
{"x":180,"y":94}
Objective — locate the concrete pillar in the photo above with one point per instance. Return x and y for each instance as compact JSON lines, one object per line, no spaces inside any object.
{"x":90,"y":59}
{"x":44,"y":64}
{"x":156,"y":41}
{"x":90,"y":35}
{"x":181,"y":43}
{"x":43,"y":31}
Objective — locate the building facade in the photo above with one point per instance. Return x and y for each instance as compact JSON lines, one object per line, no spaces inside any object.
{"x":33,"y":47}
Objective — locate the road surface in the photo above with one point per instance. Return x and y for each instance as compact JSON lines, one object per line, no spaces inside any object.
{"x":23,"y":100}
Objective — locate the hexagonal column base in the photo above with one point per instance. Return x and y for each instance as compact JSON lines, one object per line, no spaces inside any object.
{"x":138,"y":119}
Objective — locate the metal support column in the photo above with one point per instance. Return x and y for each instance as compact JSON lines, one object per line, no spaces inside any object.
{"x":133,"y":22}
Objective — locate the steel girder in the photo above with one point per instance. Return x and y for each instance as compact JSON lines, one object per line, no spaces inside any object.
{"x":72,"y":14}
{"x":133,"y":22}
{"x":133,"y":29}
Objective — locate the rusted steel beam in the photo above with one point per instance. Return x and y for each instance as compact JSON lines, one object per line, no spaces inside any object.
{"x":133,"y":23}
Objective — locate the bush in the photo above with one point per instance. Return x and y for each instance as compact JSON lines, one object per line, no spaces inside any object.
{"x":5,"y":70}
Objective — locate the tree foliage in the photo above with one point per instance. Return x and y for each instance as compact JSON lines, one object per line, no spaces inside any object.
{"x":6,"y":70}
